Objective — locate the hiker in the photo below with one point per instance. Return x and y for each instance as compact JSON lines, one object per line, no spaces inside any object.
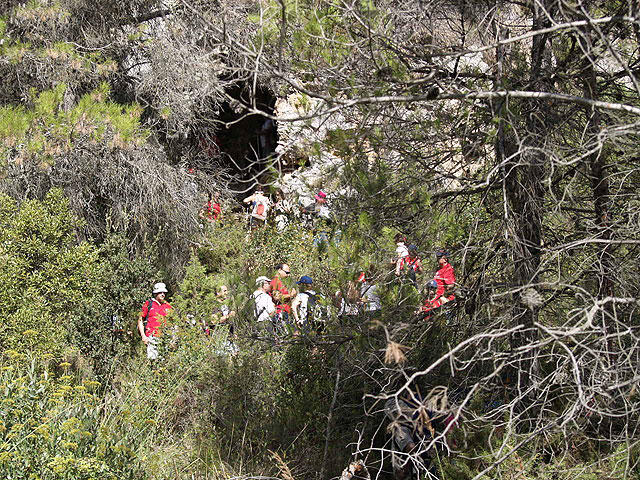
{"x":259,"y":208}
{"x":369,"y":297}
{"x":445,"y":280}
{"x":263,"y":303}
{"x":222,"y":315}
{"x":281,"y":295}
{"x":305,"y":213}
{"x":320,"y":206}
{"x":401,"y":248}
{"x":410,"y":265}
{"x":305,"y":302}
{"x":149,"y":321}
{"x":211,"y":210}
{"x":319,"y":219}
{"x":222,"y":321}
{"x":349,"y":302}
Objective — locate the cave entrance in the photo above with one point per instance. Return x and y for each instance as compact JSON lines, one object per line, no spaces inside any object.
{"x":241,"y":144}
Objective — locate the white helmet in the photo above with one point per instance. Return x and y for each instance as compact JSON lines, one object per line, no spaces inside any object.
{"x":160,"y":288}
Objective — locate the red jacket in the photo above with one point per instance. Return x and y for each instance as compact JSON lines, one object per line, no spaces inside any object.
{"x":445,"y":277}
{"x":212,"y":210}
{"x":278,"y":286}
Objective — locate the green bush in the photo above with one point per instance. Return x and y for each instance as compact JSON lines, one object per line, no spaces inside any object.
{"x":46,"y":276}
{"x":53,"y":425}
{"x":64,"y":293}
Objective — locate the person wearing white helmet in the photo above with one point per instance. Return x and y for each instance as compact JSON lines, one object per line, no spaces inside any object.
{"x":150,"y":319}
{"x":264,"y":306}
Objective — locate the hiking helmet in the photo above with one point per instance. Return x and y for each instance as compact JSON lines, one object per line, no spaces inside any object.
{"x":441,"y":252}
{"x":305,"y":279}
{"x":321,"y":195}
{"x":412,"y":248}
{"x":160,"y":288}
{"x":261,"y":280}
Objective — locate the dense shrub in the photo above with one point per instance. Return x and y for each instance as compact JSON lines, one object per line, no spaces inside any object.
{"x":63,"y":292}
{"x":56,"y":426}
{"x":46,"y":276}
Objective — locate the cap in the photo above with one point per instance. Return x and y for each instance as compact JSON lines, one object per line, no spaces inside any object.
{"x":305,"y":280}
{"x":262,"y":279}
{"x":412,"y":248}
{"x":320,"y":195}
{"x":159,"y":288}
{"x":432,"y":284}
{"x":441,"y":252}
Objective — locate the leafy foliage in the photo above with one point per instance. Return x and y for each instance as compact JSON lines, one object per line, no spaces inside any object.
{"x":45,"y":276}
{"x":48,"y":129}
{"x":47,"y":410}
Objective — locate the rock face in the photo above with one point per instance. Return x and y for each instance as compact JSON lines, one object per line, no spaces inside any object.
{"x":302,"y":130}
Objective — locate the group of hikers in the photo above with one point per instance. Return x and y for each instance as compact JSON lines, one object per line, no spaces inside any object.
{"x":283,"y":307}
{"x":314,"y":215}
{"x":280,"y":310}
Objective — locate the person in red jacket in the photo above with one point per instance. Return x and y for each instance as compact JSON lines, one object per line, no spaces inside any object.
{"x":211,"y":210}
{"x":152,"y":312}
{"x":445,"y":280}
{"x":409,"y":265}
{"x":281,"y":295}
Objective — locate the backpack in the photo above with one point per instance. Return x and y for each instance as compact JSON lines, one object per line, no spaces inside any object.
{"x":260,"y":209}
{"x":315,"y":310}
{"x":254,"y":301}
{"x":146,"y":317}
{"x":408,"y":268}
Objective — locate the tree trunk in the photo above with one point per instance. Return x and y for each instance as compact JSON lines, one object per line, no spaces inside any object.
{"x":599,"y":177}
{"x":524,"y":192}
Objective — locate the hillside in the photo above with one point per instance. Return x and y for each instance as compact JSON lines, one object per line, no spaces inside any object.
{"x":499,"y":138}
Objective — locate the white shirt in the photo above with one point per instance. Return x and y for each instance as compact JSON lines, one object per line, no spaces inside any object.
{"x":258,"y":199}
{"x":324,"y":212}
{"x":370,"y":294}
{"x":402,"y":250}
{"x":264,"y":306}
{"x":304,"y":304}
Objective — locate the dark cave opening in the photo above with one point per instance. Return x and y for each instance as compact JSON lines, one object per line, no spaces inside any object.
{"x":235,"y":142}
